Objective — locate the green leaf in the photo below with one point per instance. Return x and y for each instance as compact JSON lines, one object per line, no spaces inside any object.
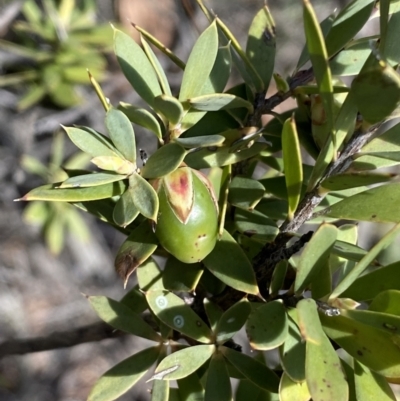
{"x":293,"y":353}
{"x":123,"y":376}
{"x":390,"y":50}
{"x":182,"y":363}
{"x":220,"y":72}
{"x":142,"y":117}
{"x":170,"y":107}
{"x":91,"y":141}
{"x":255,"y":225}
{"x":365,"y":262}
{"x":314,"y":256}
{"x":175,"y":313}
{"x":160,"y":391}
{"x":370,"y":386}
{"x":149,"y":276}
{"x":162,"y":78}
{"x":350,"y":61}
{"x":203,"y":54}
{"x":229,"y":263}
{"x":323,"y":369}
{"x":290,"y":390}
{"x":205,"y":158}
{"x":278,"y":277}
{"x":376,"y":80}
{"x":246,"y":390}
{"x":136,"y":67}
{"x":388,"y":142}
{"x":144,"y":196}
{"x":200,"y":141}
{"x":190,"y":388}
{"x":325,"y":25}
{"x":140,"y":244}
{"x":371,"y":284}
{"x":383,"y":321}
{"x":387,"y":301}
{"x":241,"y":61}
{"x":346,"y":25}
{"x":245,"y":192}
{"x":181,"y":277}
{"x":122,"y":318}
{"x":91,"y":180}
{"x":135,"y":300}
{"x":116,"y":164}
{"x":252,"y":369}
{"x":319,"y":60}
{"x":343,"y":126}
{"x":367,"y":205}
{"x":260,"y":48}
{"x":219,"y":101}
{"x":165,"y":160}
{"x":125,"y":210}
{"x":267,"y":326}
{"x":232,"y":321}
{"x":218,"y":385}
{"x":352,"y":180}
{"x":373,"y":347}
{"x":292,"y":164}
{"x":213,"y":312}
{"x":51,"y":192}
{"x":121,"y":133}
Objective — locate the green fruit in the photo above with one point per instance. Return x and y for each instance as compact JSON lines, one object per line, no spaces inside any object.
{"x":187,"y":222}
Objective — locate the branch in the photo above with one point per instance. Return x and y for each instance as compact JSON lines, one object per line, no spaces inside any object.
{"x":59,"y":339}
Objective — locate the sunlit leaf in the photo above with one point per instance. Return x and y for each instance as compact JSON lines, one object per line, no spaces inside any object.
{"x":142,"y":117}
{"x":170,"y":107}
{"x":204,"y":53}
{"x":290,"y":390}
{"x":175,"y":313}
{"x":373,"y":347}
{"x":91,"y":180}
{"x":350,"y":278}
{"x":252,"y":369}
{"x":219,"y":101}
{"x":260,"y":47}
{"x":120,"y":378}
{"x":314,"y":255}
{"x":267,"y":326}
{"x":323,"y":369}
{"x":387,"y":301}
{"x":232,"y":321}
{"x":51,"y":192}
{"x":183,"y":362}
{"x":125,"y":210}
{"x":367,"y":205}
{"x":144,"y":196}
{"x":91,"y":141}
{"x":346,"y":25}
{"x":292,"y":164}
{"x":370,"y":386}
{"x":293,"y":353}
{"x":230,"y":264}
{"x":122,"y":318}
{"x":164,"y":161}
{"x":136,"y":67}
{"x":121,"y":133}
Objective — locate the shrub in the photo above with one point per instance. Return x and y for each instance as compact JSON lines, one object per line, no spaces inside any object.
{"x":331,"y":312}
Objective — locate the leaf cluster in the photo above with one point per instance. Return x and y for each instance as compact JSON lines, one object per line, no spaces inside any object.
{"x":306,"y":306}
{"x":57,"y":41}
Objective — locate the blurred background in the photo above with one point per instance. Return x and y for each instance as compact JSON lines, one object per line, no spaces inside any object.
{"x":52,"y":254}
